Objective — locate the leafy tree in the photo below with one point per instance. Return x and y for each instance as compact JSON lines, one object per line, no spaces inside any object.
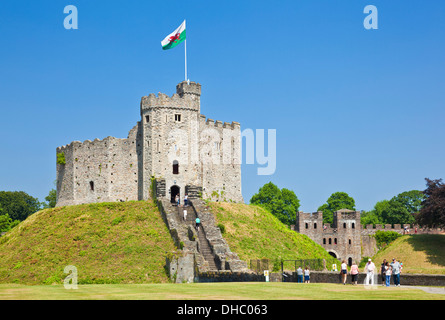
{"x":281,"y":203}
{"x":51,"y":199}
{"x":399,"y":210}
{"x":369,"y":217}
{"x":6,"y":223}
{"x":432,"y":213}
{"x":337,"y":201}
{"x":411,"y":200}
{"x":383,"y":238}
{"x":18,"y":204}
{"x":396,"y":212}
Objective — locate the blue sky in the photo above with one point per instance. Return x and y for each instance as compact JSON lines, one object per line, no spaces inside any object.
{"x":356,"y":110}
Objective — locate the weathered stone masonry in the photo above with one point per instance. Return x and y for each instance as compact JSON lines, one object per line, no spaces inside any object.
{"x":172,"y":142}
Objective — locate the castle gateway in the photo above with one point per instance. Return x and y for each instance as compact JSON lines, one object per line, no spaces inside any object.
{"x":173,"y":147}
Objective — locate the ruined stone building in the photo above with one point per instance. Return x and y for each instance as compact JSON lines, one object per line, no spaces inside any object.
{"x":344,"y":239}
{"x":173,"y":145}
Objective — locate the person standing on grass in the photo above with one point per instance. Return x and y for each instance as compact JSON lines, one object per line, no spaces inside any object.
{"x":354,"y":273}
{"x":299,"y":275}
{"x":344,"y":271}
{"x":369,"y":269}
{"x":307,"y":274}
{"x":382,"y":271}
{"x":396,"y":272}
{"x":388,"y":270}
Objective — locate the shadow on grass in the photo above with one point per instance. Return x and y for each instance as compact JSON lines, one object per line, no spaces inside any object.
{"x":432,"y":244}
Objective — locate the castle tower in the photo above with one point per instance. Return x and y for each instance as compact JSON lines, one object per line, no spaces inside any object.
{"x":173,"y":142}
{"x":347,"y":224}
{"x":342,"y":239}
{"x":169,"y":126}
{"x":178,"y":141}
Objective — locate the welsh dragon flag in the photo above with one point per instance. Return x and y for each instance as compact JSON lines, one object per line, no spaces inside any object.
{"x":174,"y":38}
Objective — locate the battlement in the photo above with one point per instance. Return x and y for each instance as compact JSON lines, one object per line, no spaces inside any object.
{"x":345,"y":214}
{"x":187,"y":96}
{"x":188,"y":87}
{"x":106,"y":142}
{"x":218,"y":124}
{"x":314,"y":216}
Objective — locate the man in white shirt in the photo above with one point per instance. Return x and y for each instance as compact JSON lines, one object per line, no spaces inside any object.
{"x":369,"y":270}
{"x":396,"y":272}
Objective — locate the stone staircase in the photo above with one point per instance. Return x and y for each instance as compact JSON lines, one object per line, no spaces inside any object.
{"x":203,"y":245}
{"x":208,"y":248}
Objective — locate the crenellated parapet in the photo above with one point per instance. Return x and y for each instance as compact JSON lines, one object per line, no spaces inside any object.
{"x":187,"y":97}
{"x":210,"y":123}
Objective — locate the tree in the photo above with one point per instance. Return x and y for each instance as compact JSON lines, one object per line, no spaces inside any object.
{"x":281,"y":203}
{"x":6,"y":223}
{"x":411,"y":200}
{"x":369,"y":217}
{"x":432,"y":213}
{"x":395,"y":212}
{"x":51,"y":199}
{"x":337,"y":201}
{"x":18,"y":204}
{"x":399,"y":210}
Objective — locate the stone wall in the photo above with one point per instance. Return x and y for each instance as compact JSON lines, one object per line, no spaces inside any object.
{"x":98,"y":171}
{"x":316,"y":277}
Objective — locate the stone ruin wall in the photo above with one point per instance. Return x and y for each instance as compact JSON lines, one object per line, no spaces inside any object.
{"x":221,"y":154}
{"x":110,"y":164}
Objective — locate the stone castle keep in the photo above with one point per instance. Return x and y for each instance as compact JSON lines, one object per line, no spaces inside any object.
{"x":173,"y":143}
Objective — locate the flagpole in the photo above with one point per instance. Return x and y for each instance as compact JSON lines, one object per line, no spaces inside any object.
{"x":185,"y":56}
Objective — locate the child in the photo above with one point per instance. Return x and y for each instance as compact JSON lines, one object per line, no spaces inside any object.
{"x":306,"y":275}
{"x":388,"y":271}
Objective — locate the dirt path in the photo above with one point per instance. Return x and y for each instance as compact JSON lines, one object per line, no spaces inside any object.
{"x":438,"y":290}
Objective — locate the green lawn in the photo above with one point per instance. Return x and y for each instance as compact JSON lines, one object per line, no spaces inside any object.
{"x":214,"y":291}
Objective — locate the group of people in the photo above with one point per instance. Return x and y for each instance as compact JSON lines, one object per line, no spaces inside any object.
{"x":178,"y":200}
{"x":386,"y":271}
{"x":306,"y":273}
{"x":184,"y":212}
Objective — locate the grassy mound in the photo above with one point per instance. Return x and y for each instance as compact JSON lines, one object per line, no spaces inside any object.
{"x":106,"y":242}
{"x":127,"y":242}
{"x":422,"y":253}
{"x":254,"y":233}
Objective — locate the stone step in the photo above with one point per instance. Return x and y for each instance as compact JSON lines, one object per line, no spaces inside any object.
{"x":205,"y":249}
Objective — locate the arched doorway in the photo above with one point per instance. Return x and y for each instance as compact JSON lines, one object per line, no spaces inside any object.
{"x":334,"y":254}
{"x":174,"y":190}
{"x":349,"y":261}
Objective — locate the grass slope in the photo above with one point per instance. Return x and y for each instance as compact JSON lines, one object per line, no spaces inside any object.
{"x":106,"y":242}
{"x":128,"y":242}
{"x":254,"y":233}
{"x":422,"y":253}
